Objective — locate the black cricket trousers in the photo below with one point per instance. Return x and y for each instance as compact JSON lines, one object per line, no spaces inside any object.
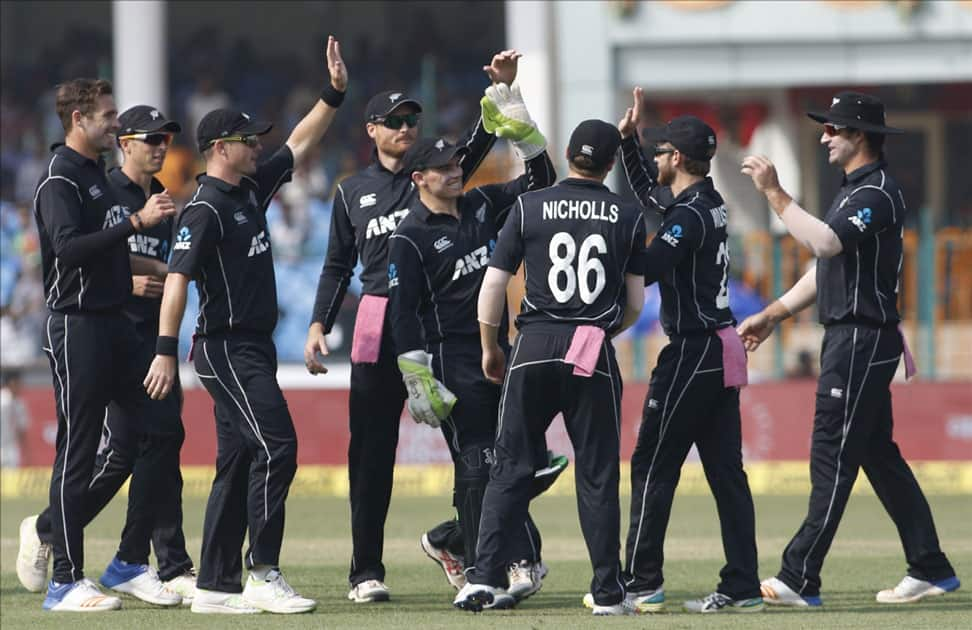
{"x":538,"y":386}
{"x":93,"y":362}
{"x":146,"y":446}
{"x":256,"y":456}
{"x":852,"y":429}
{"x":687,"y":404}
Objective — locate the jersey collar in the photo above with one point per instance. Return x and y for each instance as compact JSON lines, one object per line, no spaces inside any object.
{"x":73,"y":156}
{"x":120,"y":179}
{"x":858,"y":174}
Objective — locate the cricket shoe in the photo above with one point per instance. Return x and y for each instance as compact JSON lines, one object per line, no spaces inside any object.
{"x":640,"y":602}
{"x":476,"y":597}
{"x":33,"y":557}
{"x":718,"y":603}
{"x":450,"y":563}
{"x":275,"y":595}
{"x":138,"y":580}
{"x":911,"y":590}
{"x":776,"y":593}
{"x":369,"y":591}
{"x":184,"y":585}
{"x":80,"y":596}
{"x":526,"y":578}
{"x":219,"y":603}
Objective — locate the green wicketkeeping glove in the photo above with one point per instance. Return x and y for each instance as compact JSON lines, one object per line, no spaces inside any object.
{"x":428,"y":400}
{"x":505,"y":115}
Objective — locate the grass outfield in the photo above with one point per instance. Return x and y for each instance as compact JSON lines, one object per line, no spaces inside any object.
{"x":865,"y":558}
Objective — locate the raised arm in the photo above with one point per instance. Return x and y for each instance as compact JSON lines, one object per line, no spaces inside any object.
{"x":312,"y":127}
{"x":641,"y":173}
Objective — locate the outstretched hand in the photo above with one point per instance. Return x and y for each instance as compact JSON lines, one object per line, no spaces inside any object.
{"x":632,"y":116}
{"x":335,"y":65}
{"x":502,"y":69}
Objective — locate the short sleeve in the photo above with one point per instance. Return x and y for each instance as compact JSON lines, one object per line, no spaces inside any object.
{"x":198,"y":231}
{"x":867,"y":212}
{"x":509,"y":245}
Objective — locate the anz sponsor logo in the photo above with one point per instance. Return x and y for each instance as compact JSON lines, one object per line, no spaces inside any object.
{"x":379,"y":226}
{"x":474,"y":261}
{"x":114,"y":215}
{"x":392,"y":276}
{"x":862,"y":219}
{"x":672,"y":235}
{"x":259,"y":244}
{"x":148,"y":246}
{"x":183,"y":239}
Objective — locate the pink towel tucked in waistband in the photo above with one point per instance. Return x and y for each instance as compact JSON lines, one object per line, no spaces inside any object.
{"x":734,"y":372}
{"x":366,"y":344}
{"x":585,"y":348}
{"x":910,"y":368}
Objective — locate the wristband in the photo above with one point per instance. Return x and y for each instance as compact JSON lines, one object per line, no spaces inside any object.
{"x":331,"y":96}
{"x":138,"y":222}
{"x":167,"y":346}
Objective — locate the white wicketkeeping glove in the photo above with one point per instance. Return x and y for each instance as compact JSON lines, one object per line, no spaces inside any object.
{"x":505,"y":115}
{"x":428,"y":400}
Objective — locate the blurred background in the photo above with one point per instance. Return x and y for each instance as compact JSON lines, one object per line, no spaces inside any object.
{"x":750,"y":69}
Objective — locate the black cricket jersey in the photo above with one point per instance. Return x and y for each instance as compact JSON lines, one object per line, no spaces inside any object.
{"x":82,"y":232}
{"x":222,"y":243}
{"x":860,"y":284}
{"x":154,"y":242}
{"x":437,"y":262}
{"x":689,"y":256}
{"x":368,"y":206}
{"x":577,"y":240}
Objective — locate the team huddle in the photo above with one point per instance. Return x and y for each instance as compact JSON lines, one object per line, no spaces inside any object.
{"x":432,"y":334}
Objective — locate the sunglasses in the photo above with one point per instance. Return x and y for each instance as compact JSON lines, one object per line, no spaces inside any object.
{"x":250,"y":141}
{"x":395,"y":121}
{"x":660,"y":151}
{"x":833,"y":130}
{"x":151,"y":139}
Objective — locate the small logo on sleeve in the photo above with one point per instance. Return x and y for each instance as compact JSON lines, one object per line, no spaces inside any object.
{"x":862,"y":219}
{"x":672,"y":235}
{"x":392,"y":276}
{"x":836,"y":392}
{"x":183,"y":239}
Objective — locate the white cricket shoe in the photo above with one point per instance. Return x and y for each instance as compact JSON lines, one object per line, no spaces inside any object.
{"x":911,"y":590}
{"x":640,"y":602}
{"x":776,"y":593}
{"x":275,"y":595}
{"x":33,"y":557}
{"x":526,"y":578}
{"x":476,"y":597}
{"x":218,"y":603}
{"x":717,"y":602}
{"x":369,"y":591}
{"x":450,"y":563}
{"x":140,"y":581}
{"x":184,"y":585}
{"x":80,"y":596}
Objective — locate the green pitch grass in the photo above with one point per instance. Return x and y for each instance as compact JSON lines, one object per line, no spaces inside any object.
{"x":865,"y":558}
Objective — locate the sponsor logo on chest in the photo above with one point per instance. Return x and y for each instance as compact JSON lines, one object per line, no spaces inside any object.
{"x":259,"y":244}
{"x":379,"y":226}
{"x":147,"y":245}
{"x":114,"y":215}
{"x":473,"y":261}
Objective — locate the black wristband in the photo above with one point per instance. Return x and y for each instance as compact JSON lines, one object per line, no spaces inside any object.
{"x":167,"y":346}
{"x":331,"y":96}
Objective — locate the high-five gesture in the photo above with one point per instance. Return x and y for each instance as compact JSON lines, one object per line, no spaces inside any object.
{"x":335,"y":65}
{"x":502,"y":69}
{"x":632,"y":116}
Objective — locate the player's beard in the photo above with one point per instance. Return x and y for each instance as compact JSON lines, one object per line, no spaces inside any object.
{"x":666,"y":174}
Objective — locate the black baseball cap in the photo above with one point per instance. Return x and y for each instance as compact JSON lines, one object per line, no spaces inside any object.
{"x":222,"y":123}
{"x":384,"y":103}
{"x":853,"y":109}
{"x":690,"y":135}
{"x":429,"y":153}
{"x":145,"y":119}
{"x":596,"y":140}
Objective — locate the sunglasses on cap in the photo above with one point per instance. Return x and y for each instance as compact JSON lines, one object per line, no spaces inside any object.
{"x":395,"y":121}
{"x":662,"y":151}
{"x":151,"y":139}
{"x":833,"y":130}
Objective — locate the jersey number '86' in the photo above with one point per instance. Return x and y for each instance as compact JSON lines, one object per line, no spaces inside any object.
{"x":562,"y":270}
